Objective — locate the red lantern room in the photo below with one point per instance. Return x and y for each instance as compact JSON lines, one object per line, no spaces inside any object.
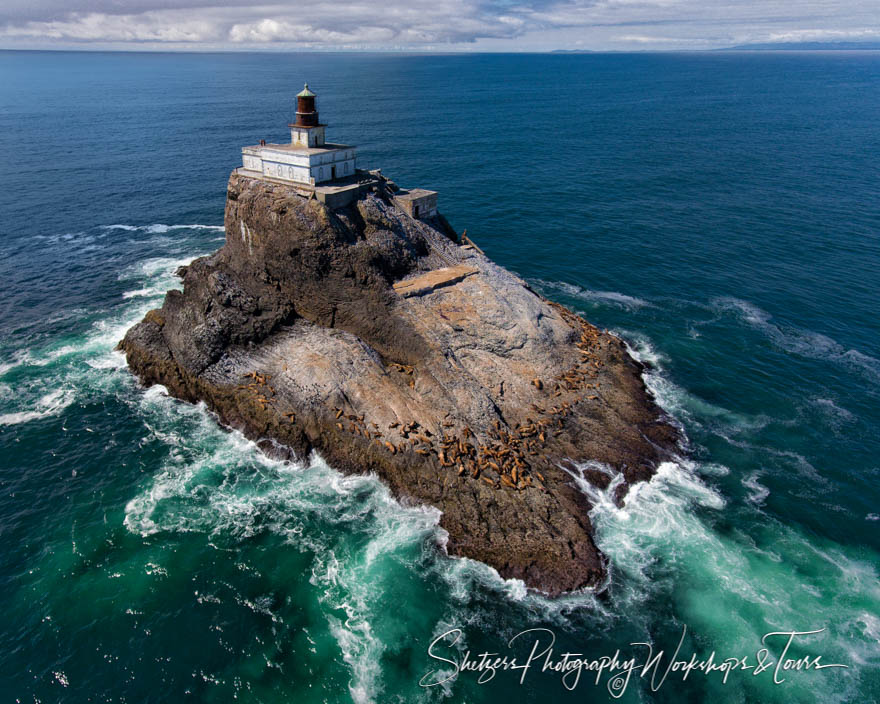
{"x":306,"y":114}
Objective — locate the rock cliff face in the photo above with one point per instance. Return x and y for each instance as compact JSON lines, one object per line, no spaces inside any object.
{"x":380,"y":342}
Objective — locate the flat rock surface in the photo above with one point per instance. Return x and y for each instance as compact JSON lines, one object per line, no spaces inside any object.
{"x":378,"y":341}
{"x":424,"y":283}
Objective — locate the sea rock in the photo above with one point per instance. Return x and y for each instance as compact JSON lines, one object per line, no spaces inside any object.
{"x":384,"y":344}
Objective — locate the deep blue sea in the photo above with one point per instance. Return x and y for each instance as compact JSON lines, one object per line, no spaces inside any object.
{"x":720,"y":212}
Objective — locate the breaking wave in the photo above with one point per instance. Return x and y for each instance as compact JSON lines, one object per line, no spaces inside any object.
{"x":664,"y":539}
{"x":45,"y":380}
{"x":159,"y":228}
{"x":220,"y":484}
{"x":49,"y":404}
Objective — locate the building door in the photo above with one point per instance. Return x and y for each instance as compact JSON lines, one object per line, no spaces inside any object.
{"x":332,"y":172}
{"x":415,"y":211}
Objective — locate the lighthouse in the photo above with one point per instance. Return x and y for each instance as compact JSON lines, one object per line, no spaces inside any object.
{"x":324,"y":170}
{"x":309,"y":159}
{"x":307,"y":130}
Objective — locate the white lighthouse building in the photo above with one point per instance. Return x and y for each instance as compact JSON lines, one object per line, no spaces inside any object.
{"x":308,"y":159}
{"x":323,"y":170}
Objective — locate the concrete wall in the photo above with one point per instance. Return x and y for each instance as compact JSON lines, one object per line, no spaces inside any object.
{"x":300,"y":167}
{"x":324,"y":172}
{"x":254,"y":163}
{"x":313,"y":137}
{"x":423,"y":206}
{"x":426,"y":206}
{"x":337,"y":197}
{"x":284,"y":156}
{"x":299,"y":174}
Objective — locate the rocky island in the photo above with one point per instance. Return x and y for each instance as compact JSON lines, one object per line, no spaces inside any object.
{"x":344,"y":315}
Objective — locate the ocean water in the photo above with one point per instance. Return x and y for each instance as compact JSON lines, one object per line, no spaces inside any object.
{"x":721,"y":212}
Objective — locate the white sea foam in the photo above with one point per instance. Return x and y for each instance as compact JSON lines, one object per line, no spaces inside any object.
{"x":614,"y":298}
{"x":805,"y":343}
{"x":758,"y":493}
{"x":685,"y":406}
{"x":19,"y":358}
{"x":50,"y":404}
{"x":349,"y":581}
{"x":78,"y":366}
{"x":657,"y":508}
{"x":792,"y":460}
{"x":218,"y":483}
{"x":83,"y":239}
{"x":659,"y":535}
{"x":641,"y":348}
{"x":160,"y":228}
{"x":148,"y":292}
{"x":664,"y":534}
{"x":835,"y":415}
{"x":597,"y":496}
{"x":465,"y":576}
{"x":157,"y":265}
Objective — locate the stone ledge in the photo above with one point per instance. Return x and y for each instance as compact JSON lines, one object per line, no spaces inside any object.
{"x":426,"y":283}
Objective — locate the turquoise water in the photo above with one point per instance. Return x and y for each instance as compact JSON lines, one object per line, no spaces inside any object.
{"x":720,"y":212}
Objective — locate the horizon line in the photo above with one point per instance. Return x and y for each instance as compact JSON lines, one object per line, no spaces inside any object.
{"x":758,"y":49}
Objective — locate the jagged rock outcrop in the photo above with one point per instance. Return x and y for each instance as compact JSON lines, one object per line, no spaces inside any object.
{"x":380,"y":342}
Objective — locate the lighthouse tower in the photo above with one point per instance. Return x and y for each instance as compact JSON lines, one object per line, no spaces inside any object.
{"x":307,"y":130}
{"x":308,"y":160}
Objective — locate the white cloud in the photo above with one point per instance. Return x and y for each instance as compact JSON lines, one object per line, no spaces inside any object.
{"x":318,"y":23}
{"x":810,"y":35}
{"x":501,"y":24}
{"x":271,"y":30}
{"x":97,"y":27}
{"x":642,"y":39}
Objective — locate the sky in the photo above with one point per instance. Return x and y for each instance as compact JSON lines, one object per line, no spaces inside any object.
{"x":430,"y":25}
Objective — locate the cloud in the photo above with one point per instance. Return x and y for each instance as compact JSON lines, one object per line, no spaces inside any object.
{"x":643,"y":39}
{"x":420,"y":23}
{"x":97,"y":27}
{"x":318,"y":23}
{"x":270,"y":30}
{"x":812,"y":35}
